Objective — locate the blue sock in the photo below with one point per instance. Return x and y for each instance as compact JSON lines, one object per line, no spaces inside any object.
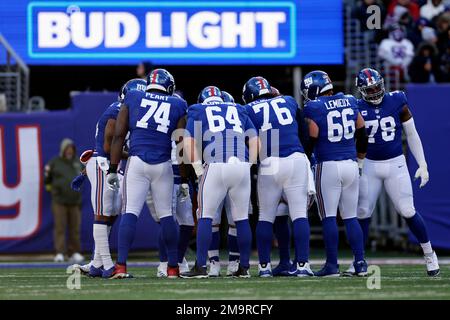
{"x":162,"y":247}
{"x":283,"y":235}
{"x":127,"y":230}
{"x":233,"y":248}
{"x":301,"y":239}
{"x":170,"y":235}
{"x":204,"y":235}
{"x":244,"y":238}
{"x":264,"y":236}
{"x":213,"y":251}
{"x":365,"y":224}
{"x":331,"y":238}
{"x":418,"y":228}
{"x":355,"y":238}
{"x":183,"y":241}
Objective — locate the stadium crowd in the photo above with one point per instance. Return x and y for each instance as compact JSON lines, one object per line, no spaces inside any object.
{"x":414,"y":38}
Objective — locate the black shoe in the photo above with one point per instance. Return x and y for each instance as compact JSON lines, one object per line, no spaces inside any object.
{"x":196,"y":272}
{"x":241,"y":272}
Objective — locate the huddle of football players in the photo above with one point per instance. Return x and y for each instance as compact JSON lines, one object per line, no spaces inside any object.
{"x":337,"y":150}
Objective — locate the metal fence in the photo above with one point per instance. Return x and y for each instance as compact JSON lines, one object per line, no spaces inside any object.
{"x":14,"y":78}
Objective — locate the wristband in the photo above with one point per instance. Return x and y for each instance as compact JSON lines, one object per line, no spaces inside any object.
{"x":112,"y":168}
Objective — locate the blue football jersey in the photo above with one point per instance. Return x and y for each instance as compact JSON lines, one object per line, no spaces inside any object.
{"x":152,"y":119}
{"x":223,"y":127}
{"x":110,"y":113}
{"x":383,"y":126}
{"x":279,"y":114}
{"x":336,"y":117}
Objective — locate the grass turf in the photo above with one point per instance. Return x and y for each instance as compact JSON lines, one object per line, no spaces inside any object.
{"x":397,"y":282}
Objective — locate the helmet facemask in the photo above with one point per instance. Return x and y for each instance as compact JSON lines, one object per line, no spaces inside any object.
{"x":373,"y":93}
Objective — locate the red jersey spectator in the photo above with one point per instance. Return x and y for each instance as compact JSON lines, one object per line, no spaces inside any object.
{"x":411,"y":5}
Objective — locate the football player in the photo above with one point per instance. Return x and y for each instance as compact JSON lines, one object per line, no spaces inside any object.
{"x":217,"y":133}
{"x":182,"y":211}
{"x":105,"y":202}
{"x":284,"y":169}
{"x":151,"y":117}
{"x":334,"y":123}
{"x":386,"y":116}
{"x":233,"y":250}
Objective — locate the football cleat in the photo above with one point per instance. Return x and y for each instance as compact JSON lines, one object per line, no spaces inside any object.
{"x":184,"y":266}
{"x":282,"y":270}
{"x":108,"y":273}
{"x":350,"y":272}
{"x":195,"y":273}
{"x":59,"y":258}
{"x":328,"y":270}
{"x":162,"y":270}
{"x":173,"y":272}
{"x":76,"y":258}
{"x":95,"y":272}
{"x":84,"y":269}
{"x":303,"y":270}
{"x":214,"y":268}
{"x":120,"y":272}
{"x":360,"y":268}
{"x":232,"y":267}
{"x":241,"y":272}
{"x":265,"y":270}
{"x":432,"y":263}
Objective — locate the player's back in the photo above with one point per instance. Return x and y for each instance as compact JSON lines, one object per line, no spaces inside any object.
{"x":384,"y":126}
{"x":223,"y":127}
{"x":336,"y":117}
{"x":153,"y":116}
{"x":110,"y":113}
{"x":278,"y":114}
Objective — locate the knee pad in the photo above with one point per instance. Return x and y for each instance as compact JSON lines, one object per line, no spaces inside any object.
{"x":406,"y":209}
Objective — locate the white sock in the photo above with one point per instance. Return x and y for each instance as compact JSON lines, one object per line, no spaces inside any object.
{"x":97,"y":260}
{"x":102,"y":243}
{"x":426,"y":247}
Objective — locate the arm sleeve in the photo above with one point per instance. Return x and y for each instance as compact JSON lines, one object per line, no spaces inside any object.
{"x":361,"y":140}
{"x":303,"y":132}
{"x":414,"y":143}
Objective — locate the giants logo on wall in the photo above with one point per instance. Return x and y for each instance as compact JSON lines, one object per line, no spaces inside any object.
{"x":20,"y":202}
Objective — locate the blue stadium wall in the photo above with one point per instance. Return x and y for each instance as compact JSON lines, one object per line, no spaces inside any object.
{"x":78,"y":123}
{"x":429,"y":103}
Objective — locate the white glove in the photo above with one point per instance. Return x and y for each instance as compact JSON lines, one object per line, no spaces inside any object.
{"x":198,"y":168}
{"x":113,"y":181}
{"x":360,"y":165}
{"x":183,"y":191}
{"x":422,"y":172}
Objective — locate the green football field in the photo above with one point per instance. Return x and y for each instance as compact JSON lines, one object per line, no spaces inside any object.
{"x":398,"y":281}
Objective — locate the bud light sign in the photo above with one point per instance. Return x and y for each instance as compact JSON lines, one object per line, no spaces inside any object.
{"x":182,"y":32}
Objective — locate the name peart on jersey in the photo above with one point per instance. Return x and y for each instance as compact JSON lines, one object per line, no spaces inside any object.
{"x":110,"y":113}
{"x":383,"y":125}
{"x":224,"y":127}
{"x":336,"y":118}
{"x":280,"y":114}
{"x":152,"y":119}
